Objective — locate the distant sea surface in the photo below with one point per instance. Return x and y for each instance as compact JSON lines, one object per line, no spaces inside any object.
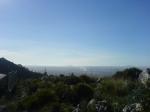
{"x":67,"y":70}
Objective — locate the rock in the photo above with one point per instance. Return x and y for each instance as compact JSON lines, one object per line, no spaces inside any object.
{"x":143,"y":77}
{"x":98,"y":106}
{"x":3,"y":80}
{"x":77,"y":109}
{"x":2,"y":76}
{"x":3,"y":108}
{"x":101,"y":106}
{"x":91,"y":102}
{"x":136,"y":107}
{"x":99,"y":80}
{"x":91,"y":106}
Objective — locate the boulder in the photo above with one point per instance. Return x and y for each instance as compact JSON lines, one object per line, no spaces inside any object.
{"x":143,"y":77}
{"x":3,"y":108}
{"x":98,"y":106}
{"x":77,"y":109}
{"x":136,"y":107}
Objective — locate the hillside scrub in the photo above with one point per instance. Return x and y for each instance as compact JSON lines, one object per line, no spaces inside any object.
{"x":68,"y":93}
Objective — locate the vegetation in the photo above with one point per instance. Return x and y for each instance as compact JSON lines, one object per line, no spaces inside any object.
{"x":128,"y":74}
{"x":68,"y":93}
{"x":55,"y":94}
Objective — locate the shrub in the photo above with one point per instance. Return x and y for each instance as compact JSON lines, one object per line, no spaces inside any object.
{"x":64,"y":93}
{"x":87,"y":79}
{"x":128,"y":74}
{"x":114,"y":87}
{"x":37,"y":100}
{"x":83,"y":92}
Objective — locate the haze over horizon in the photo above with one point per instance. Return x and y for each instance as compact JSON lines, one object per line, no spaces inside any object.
{"x":75,"y":32}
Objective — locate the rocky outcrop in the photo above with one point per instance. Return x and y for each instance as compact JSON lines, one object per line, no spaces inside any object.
{"x":136,"y":107}
{"x":3,"y":108}
{"x":98,"y":106}
{"x":144,"y":77}
{"x":77,"y":109}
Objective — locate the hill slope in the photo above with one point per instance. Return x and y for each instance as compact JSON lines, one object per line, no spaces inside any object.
{"x":7,"y":66}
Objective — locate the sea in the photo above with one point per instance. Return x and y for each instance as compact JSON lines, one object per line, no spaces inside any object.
{"x":78,"y":70}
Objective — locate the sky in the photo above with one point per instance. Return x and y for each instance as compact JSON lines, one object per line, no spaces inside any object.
{"x":75,"y":32}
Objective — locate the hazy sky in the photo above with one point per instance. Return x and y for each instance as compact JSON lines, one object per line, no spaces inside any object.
{"x":75,"y":32}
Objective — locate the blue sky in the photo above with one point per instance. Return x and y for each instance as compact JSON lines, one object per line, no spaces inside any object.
{"x":75,"y":32}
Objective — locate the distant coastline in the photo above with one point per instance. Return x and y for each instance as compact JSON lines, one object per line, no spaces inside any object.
{"x":79,"y":70}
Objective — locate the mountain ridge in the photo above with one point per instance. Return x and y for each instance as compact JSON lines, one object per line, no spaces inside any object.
{"x":7,"y":66}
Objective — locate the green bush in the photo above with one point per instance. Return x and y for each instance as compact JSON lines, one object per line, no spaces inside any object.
{"x":83,"y":92}
{"x":114,"y":87}
{"x":87,"y":79}
{"x":64,"y":92}
{"x":37,"y":100}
